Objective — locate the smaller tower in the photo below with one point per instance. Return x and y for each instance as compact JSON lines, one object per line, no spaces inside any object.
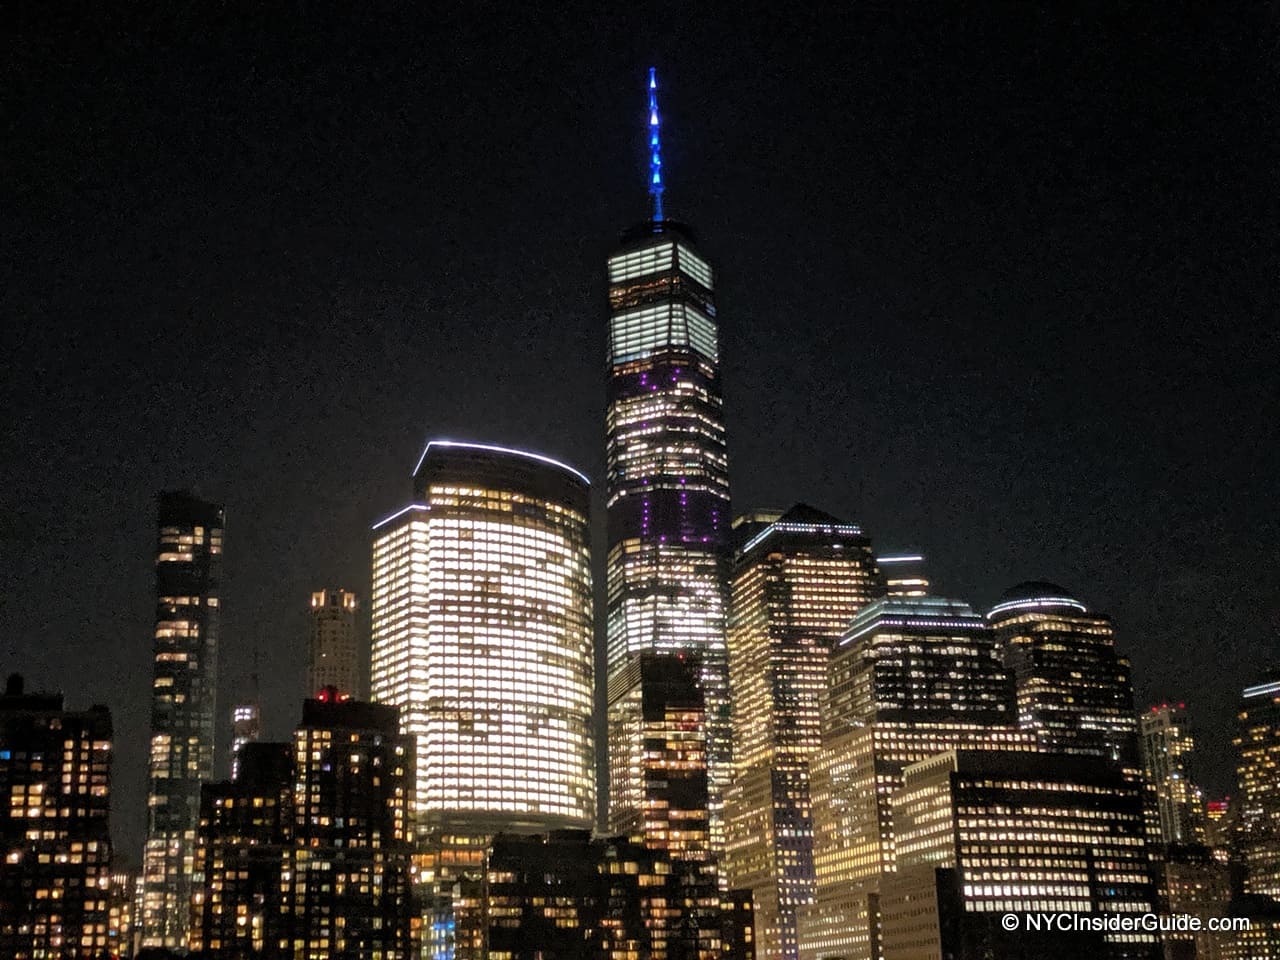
{"x":333,"y":659}
{"x":1167,"y":752}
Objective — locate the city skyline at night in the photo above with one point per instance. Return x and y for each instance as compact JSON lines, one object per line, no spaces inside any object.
{"x":988,"y":297}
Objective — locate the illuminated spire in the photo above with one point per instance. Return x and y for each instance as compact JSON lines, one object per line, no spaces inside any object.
{"x":655,"y":148}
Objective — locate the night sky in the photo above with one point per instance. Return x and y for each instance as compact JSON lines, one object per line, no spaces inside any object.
{"x":996,"y":281}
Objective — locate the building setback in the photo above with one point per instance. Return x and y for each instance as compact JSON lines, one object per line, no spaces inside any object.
{"x":667,"y":468}
{"x":183,"y":699}
{"x":308,"y":853}
{"x":798,"y":583}
{"x":55,"y":840}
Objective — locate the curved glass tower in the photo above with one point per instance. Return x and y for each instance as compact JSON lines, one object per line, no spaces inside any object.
{"x":668,"y":480}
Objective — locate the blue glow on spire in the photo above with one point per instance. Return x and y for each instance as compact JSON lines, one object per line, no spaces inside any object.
{"x":655,"y":148}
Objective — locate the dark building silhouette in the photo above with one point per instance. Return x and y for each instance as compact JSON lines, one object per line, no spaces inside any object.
{"x":183,"y":699}
{"x":55,"y":841}
{"x":571,"y":897}
{"x":308,"y":852}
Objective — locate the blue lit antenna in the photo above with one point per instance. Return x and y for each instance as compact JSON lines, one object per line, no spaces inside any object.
{"x":655,"y":148}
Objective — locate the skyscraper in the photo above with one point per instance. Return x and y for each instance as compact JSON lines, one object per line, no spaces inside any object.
{"x":1258,"y":791}
{"x":1167,"y":759}
{"x":482,"y":637}
{"x":55,"y":841}
{"x":667,"y":467}
{"x":980,"y":834}
{"x":798,"y":583}
{"x":246,"y":727}
{"x":911,"y":677}
{"x":1074,"y":690}
{"x":188,"y":573}
{"x":333,"y":653}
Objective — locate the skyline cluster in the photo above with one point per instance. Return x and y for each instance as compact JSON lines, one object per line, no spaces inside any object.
{"x":957,"y":313}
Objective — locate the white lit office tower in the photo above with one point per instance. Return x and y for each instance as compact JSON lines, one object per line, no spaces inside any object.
{"x":334,"y":654}
{"x":911,"y":677}
{"x":482,"y":637}
{"x":799,"y":579}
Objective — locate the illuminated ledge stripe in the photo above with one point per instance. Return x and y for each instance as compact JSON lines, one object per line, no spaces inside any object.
{"x":828,"y":529}
{"x":916,"y":623}
{"x":491,"y":448}
{"x":400,"y":513}
{"x":1262,"y":690}
{"x":908,"y":558}
{"x":1036,"y":603}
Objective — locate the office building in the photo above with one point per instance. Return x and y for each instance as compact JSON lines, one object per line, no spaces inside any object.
{"x":983,"y":834}
{"x":1258,"y":789}
{"x":911,"y":677}
{"x":903,"y":574}
{"x":1168,"y":752}
{"x":185,"y":670}
{"x":308,"y":853}
{"x":658,"y":753}
{"x":798,"y":583}
{"x":1074,"y":688}
{"x":55,"y":840}
{"x":482,"y":638}
{"x":667,"y":468}
{"x":333,"y":652}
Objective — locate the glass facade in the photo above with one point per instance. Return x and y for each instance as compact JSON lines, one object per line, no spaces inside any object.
{"x":667,"y":470}
{"x":482,"y":637}
{"x":188,"y":575}
{"x":798,"y":583}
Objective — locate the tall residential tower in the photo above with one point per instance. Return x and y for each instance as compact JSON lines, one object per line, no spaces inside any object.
{"x":333,"y":654}
{"x":668,"y":481}
{"x":188,"y":572}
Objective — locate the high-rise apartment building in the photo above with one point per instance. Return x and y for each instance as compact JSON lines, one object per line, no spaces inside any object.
{"x":55,"y":841}
{"x":308,"y":853}
{"x":1074,"y":688}
{"x":1258,"y":790}
{"x":185,"y":669}
{"x":667,"y":468}
{"x":482,"y":638}
{"x":798,"y":583}
{"x":911,"y":677}
{"x":333,"y":651}
{"x":983,"y":834}
{"x":1168,"y":749}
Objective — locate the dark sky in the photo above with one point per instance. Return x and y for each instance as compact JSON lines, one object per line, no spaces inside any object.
{"x":996,"y":281}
